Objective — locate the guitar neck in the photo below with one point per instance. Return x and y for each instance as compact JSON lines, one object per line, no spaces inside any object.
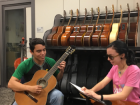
{"x":54,"y":68}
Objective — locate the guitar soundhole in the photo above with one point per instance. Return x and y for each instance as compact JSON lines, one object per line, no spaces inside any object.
{"x":42,"y":83}
{"x":123,"y":27}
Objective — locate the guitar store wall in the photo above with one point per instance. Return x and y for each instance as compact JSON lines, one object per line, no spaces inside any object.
{"x":46,"y":10}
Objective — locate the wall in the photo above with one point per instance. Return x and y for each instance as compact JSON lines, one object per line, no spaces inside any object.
{"x":45,"y":10}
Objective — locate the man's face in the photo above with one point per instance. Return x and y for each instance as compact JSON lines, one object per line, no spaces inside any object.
{"x":39,"y":52}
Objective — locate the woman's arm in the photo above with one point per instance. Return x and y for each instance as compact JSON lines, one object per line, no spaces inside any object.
{"x":101,"y":84}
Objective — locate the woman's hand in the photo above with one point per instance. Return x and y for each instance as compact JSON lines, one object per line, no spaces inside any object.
{"x":90,"y":93}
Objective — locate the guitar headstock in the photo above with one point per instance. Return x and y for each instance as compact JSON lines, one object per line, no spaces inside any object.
{"x":128,"y":8}
{"x":113,"y":9}
{"x":121,"y":14}
{"x":64,"y":13}
{"x":91,"y":11}
{"x":106,"y":14}
{"x":138,"y":6}
{"x":85,"y":11}
{"x":70,"y":50}
{"x":77,"y":12}
{"x":71,"y":12}
{"x":98,"y":9}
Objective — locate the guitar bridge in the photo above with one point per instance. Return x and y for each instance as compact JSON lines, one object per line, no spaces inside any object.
{"x":31,"y":97}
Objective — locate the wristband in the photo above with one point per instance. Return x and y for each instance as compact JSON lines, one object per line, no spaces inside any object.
{"x":101,"y":97}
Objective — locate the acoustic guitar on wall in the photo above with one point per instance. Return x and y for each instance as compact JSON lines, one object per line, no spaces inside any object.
{"x":80,"y":35}
{"x":90,"y":30}
{"x":65,"y":36}
{"x":115,"y":29}
{"x":123,"y":28}
{"x":132,"y":35}
{"x":75,"y":32}
{"x":98,"y":30}
{"x":56,"y":40}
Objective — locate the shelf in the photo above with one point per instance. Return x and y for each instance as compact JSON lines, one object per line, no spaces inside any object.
{"x":102,"y":16}
{"x":86,"y":48}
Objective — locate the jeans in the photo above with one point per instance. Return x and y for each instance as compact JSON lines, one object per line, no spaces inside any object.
{"x":55,"y":97}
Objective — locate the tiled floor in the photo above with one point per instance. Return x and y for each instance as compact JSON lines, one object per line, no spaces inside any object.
{"x":6,"y":96}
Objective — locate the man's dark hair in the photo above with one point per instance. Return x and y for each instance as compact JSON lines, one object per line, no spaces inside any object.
{"x":34,"y":42}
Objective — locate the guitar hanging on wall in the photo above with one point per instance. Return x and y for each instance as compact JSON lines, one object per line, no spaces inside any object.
{"x":68,"y":31}
{"x":90,"y":29}
{"x":56,"y":40}
{"x":75,"y":32}
{"x":104,"y":38}
{"x":43,"y":78}
{"x":80,"y":35}
{"x":123,"y":28}
{"x":97,"y":33}
{"x":132,"y":35}
{"x":115,"y":29}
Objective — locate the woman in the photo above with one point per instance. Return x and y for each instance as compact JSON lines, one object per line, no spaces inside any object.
{"x":125,"y":75}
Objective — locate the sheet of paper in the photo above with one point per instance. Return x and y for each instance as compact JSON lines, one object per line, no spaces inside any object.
{"x":79,"y":88}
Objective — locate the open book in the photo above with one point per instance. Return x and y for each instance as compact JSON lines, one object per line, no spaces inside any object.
{"x":79,"y":89}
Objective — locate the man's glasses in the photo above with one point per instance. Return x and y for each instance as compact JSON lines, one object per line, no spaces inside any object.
{"x":112,"y":57}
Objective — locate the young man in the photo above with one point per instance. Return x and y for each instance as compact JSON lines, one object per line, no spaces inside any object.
{"x":27,"y":68}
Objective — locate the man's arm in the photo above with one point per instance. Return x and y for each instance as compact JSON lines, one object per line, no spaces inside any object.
{"x":15,"y":85}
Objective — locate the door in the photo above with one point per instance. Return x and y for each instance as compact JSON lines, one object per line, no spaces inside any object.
{"x":16,"y":20}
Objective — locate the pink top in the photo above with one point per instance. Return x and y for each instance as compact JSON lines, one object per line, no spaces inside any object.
{"x":131,"y":78}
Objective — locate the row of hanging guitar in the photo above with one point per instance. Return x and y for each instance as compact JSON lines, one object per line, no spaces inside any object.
{"x":94,"y":35}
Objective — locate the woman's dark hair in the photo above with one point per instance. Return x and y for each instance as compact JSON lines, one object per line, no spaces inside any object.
{"x":34,"y":42}
{"x":121,"y":48}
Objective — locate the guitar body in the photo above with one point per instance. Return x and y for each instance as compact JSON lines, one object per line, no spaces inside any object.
{"x":66,"y":35}
{"x":80,"y":35}
{"x":56,"y":41}
{"x":114,"y":33}
{"x":49,"y":38}
{"x":22,"y":99}
{"x":123,"y":32}
{"x":74,"y":34}
{"x":87,"y":36}
{"x":96,"y":35}
{"x":132,"y":35}
{"x":104,"y":37}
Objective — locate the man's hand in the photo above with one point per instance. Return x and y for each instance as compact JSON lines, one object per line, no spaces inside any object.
{"x":62,"y":66}
{"x":36,"y":89}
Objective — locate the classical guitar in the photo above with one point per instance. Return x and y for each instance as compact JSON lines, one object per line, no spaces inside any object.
{"x":104,"y":37}
{"x":75,"y":32}
{"x":123,"y":28}
{"x":56,"y":40}
{"x":68,"y":31}
{"x":43,"y":78}
{"x":80,"y":35}
{"x":132,"y":35}
{"x":97,"y":33}
{"x":115,"y":29}
{"x":90,"y":29}
{"x":50,"y":36}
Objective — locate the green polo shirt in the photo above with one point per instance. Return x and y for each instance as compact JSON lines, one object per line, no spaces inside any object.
{"x":28,"y":68}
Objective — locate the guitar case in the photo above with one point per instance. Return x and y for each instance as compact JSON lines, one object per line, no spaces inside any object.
{"x":64,"y":81}
{"x":73,"y":76}
{"x":82,"y":69}
{"x":93,"y":71}
{"x":108,"y":89}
